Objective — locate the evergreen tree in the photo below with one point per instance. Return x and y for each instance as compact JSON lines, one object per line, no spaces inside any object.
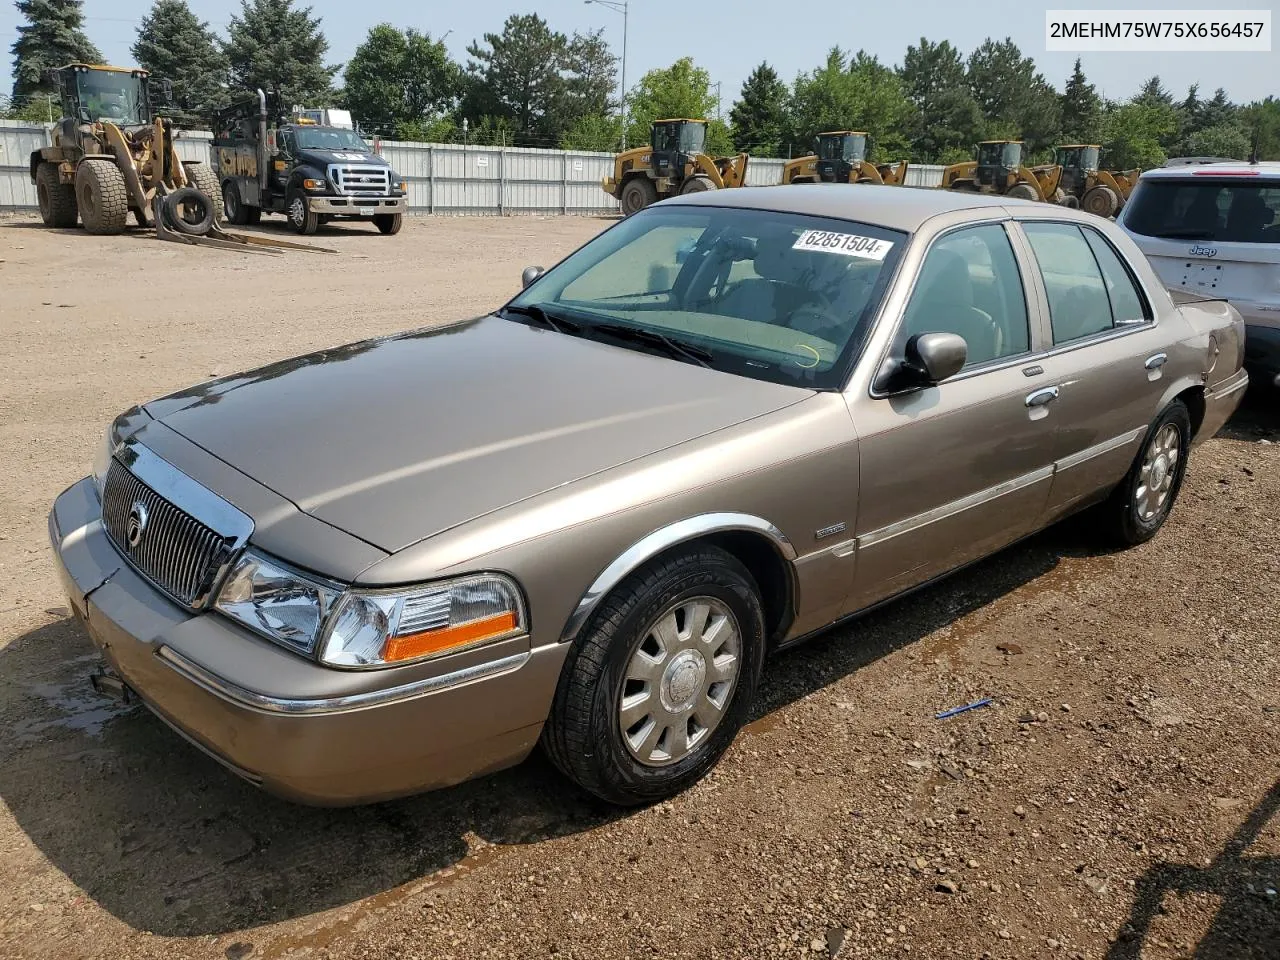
{"x":51,"y":37}
{"x":174,"y":44}
{"x":400,"y":83}
{"x":1153,"y":94}
{"x":945,"y":121}
{"x":273,"y":46}
{"x":759,"y":117}
{"x":516,"y":75}
{"x":1081,"y":109}
{"x":1016,"y":101}
{"x":590,"y":78}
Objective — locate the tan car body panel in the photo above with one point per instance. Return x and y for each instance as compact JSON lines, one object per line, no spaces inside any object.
{"x":858,"y":497}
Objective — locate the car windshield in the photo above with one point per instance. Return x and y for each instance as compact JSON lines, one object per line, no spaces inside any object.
{"x":1227,"y":210}
{"x":774,"y":296}
{"x":112,"y":95}
{"x":330,"y":138}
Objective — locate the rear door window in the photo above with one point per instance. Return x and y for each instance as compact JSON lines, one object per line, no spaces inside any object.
{"x":1225,"y":210}
{"x":1128,"y":305}
{"x":1079,"y":305}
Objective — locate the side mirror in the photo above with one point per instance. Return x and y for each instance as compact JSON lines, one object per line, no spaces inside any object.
{"x":531,"y":274}
{"x":937,"y":356}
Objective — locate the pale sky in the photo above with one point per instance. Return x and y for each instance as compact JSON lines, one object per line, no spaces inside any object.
{"x":730,"y":39}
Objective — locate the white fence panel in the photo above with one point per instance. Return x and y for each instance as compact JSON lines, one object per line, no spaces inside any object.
{"x":18,"y":140}
{"x":924,"y":174}
{"x":764,"y":172}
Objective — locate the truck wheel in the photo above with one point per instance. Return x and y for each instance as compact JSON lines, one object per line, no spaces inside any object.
{"x":236,"y":212}
{"x":1023,"y":191}
{"x":696,"y":185}
{"x":1101,"y":201}
{"x":660,"y":679}
{"x":300,"y":216}
{"x":388,"y":223}
{"x":637,"y":193}
{"x":1139,"y":506}
{"x":206,"y":181}
{"x":102,"y":197}
{"x":57,"y":200}
{"x":189,"y":211}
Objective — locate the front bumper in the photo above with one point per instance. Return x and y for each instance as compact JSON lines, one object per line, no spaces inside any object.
{"x":355,"y":206}
{"x":301,"y":731}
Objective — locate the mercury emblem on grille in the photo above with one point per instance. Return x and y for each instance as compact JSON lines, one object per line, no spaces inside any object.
{"x":137,"y":524}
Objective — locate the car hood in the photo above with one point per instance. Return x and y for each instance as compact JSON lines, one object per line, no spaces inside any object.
{"x":396,"y":439}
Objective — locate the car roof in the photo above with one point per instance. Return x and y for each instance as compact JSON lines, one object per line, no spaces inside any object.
{"x":898,"y":208}
{"x":1223,"y":168}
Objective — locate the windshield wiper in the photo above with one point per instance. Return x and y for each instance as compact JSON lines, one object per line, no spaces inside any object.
{"x":1185,"y":235}
{"x":678,"y":349}
{"x":548,"y":320}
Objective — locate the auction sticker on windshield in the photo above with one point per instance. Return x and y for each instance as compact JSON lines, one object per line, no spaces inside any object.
{"x":848,"y":244}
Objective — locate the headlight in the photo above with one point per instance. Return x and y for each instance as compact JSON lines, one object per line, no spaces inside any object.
{"x":102,"y":459}
{"x":372,"y":629}
{"x":281,"y":605}
{"x":313,"y":184}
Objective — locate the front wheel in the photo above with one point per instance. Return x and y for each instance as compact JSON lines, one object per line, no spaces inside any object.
{"x":1024,"y":191}
{"x":696,"y":185}
{"x":661,"y":678}
{"x":388,"y":223}
{"x":57,"y":199}
{"x":301,"y":217}
{"x":1138,"y":508}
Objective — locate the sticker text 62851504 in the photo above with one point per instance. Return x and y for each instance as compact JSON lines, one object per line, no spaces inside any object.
{"x":847,"y":244}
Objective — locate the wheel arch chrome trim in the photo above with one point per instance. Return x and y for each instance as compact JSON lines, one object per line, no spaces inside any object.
{"x":263,"y":703}
{"x":663,"y":539}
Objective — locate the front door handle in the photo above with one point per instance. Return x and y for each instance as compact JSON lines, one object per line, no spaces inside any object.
{"x":1042,"y":398}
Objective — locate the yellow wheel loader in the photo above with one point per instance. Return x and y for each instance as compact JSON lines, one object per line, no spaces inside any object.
{"x":1087,"y":186}
{"x":111,"y":156}
{"x":999,"y":169}
{"x":841,"y":157}
{"x":674,"y":162}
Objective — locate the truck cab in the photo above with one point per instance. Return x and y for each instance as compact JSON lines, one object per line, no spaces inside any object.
{"x":311,"y":172}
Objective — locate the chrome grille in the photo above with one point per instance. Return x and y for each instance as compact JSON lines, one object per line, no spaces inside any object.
{"x":174,"y":550}
{"x":355,"y":181}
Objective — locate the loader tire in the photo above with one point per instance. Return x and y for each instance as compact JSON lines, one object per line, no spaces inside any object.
{"x":102,"y":196}
{"x":696,"y":185}
{"x":206,"y":181}
{"x":57,"y":200}
{"x":1101,"y":201}
{"x":637,"y":193}
{"x":189,"y":211}
{"x":1023,"y":191}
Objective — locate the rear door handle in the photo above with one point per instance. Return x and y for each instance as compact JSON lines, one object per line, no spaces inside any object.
{"x":1042,"y":398}
{"x":1156,"y":361}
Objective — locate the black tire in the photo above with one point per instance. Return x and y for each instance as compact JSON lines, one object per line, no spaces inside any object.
{"x":57,"y":200}
{"x":189,"y":211}
{"x":102,"y":197}
{"x":584,"y":735}
{"x":388,"y":223}
{"x":300,"y":215}
{"x":1024,"y":191}
{"x":232,"y":206}
{"x":1101,"y":201}
{"x":206,"y":181}
{"x":637,"y":193}
{"x":696,"y":185}
{"x":1120,"y":519}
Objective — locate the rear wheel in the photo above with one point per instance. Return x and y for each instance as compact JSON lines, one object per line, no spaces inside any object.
{"x":206,"y":181}
{"x":235,"y":210}
{"x":1023,"y":191}
{"x":696,"y":185}
{"x":57,"y":200}
{"x":388,"y":223}
{"x":1101,"y":201}
{"x":661,"y":678}
{"x":102,"y":197}
{"x":301,"y":218}
{"x":637,"y":193}
{"x":1138,"y":508}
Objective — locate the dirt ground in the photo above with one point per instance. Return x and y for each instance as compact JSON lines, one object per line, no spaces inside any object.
{"x":1119,"y":800}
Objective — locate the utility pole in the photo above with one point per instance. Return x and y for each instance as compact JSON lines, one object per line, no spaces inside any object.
{"x":619,"y":6}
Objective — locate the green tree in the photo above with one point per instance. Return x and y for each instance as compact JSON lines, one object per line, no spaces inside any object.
{"x":1081,"y":109}
{"x":1262,"y":119}
{"x":680,"y":90}
{"x":282,"y":50}
{"x":52,"y":36}
{"x":861,"y":94}
{"x":945,"y":121}
{"x":591,"y":76}
{"x":1222,"y":140}
{"x":175,"y":44}
{"x":759,"y":118}
{"x":593,"y":131}
{"x":516,"y":75}
{"x":1133,"y":133}
{"x":1153,"y":94}
{"x":400,"y":83}
{"x":1013,"y":97}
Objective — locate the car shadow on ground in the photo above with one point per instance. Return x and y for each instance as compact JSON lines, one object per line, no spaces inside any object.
{"x":169,"y":842}
{"x":1257,"y":419}
{"x":1247,"y":923}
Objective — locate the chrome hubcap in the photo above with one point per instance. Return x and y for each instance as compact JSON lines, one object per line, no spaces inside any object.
{"x":679,"y":681}
{"x":297,"y":211}
{"x":1159,"y":467}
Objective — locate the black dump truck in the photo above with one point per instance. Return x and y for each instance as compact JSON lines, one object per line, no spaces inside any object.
{"x":312,"y":166}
